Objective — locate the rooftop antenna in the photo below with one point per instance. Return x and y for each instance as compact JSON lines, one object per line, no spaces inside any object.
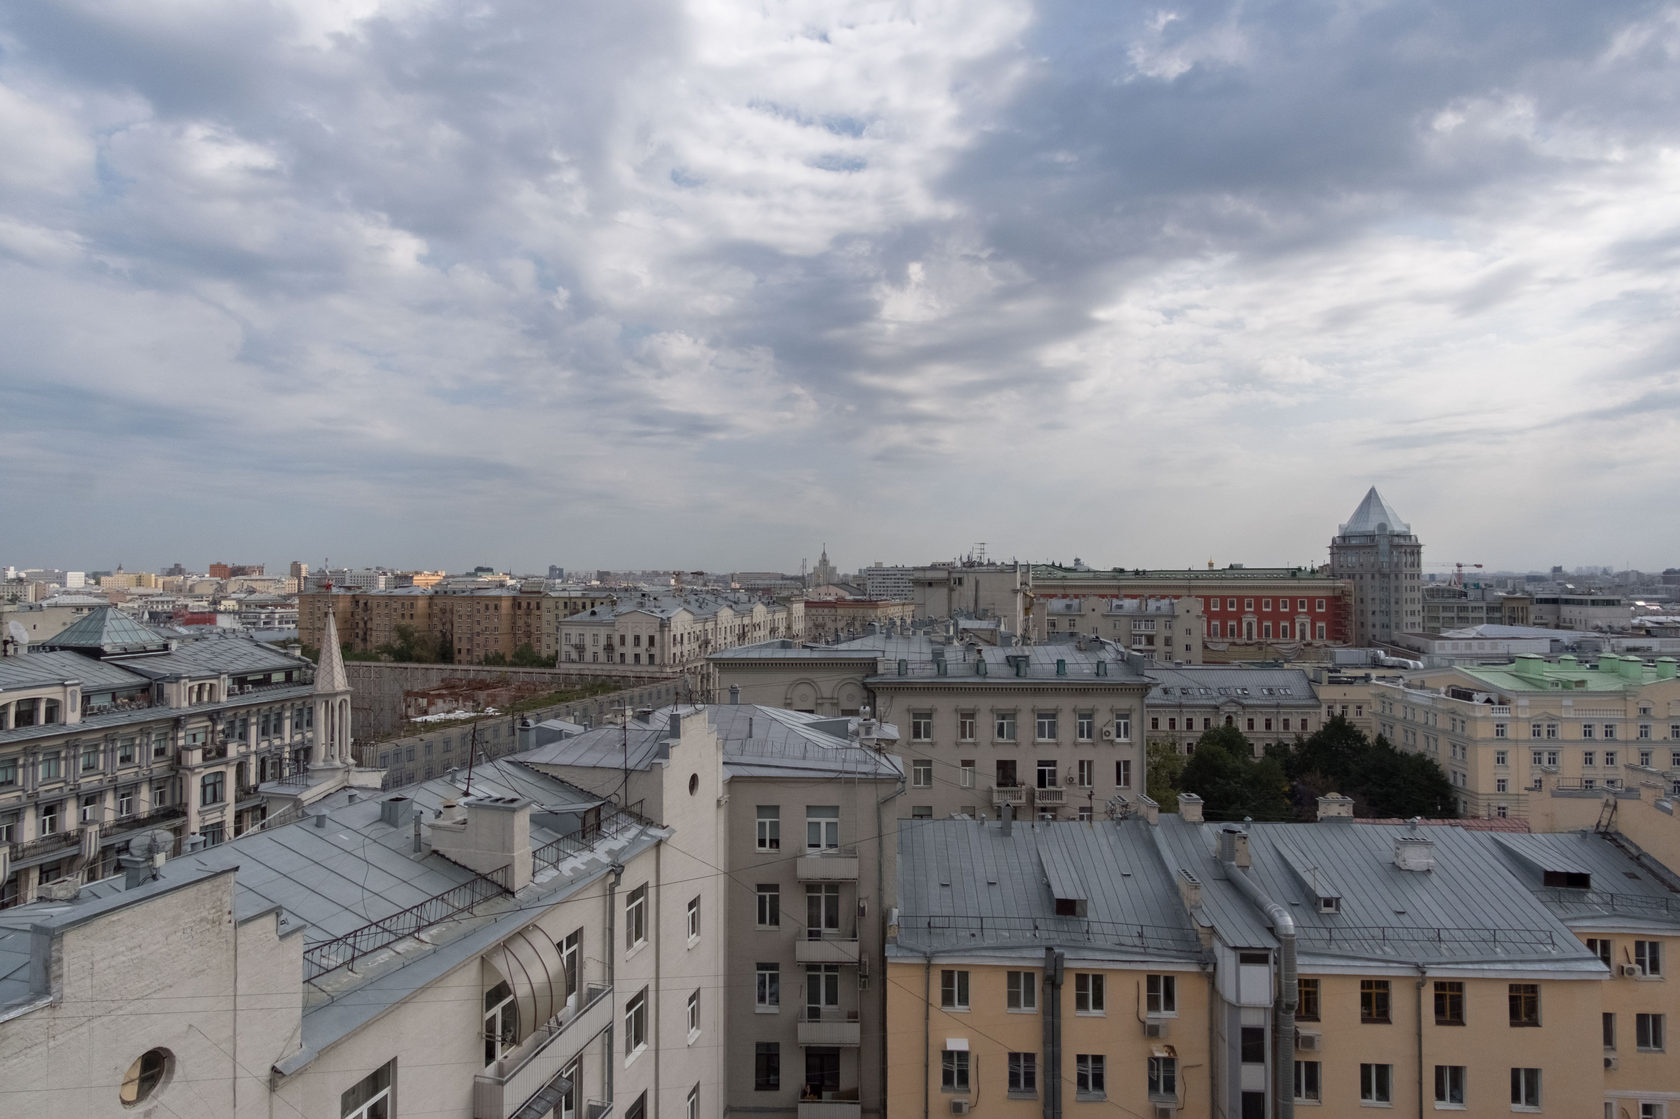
{"x":472,"y":753}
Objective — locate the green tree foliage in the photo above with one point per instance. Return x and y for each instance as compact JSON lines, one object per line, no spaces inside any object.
{"x":1381,"y":780}
{"x":527,"y":657}
{"x":1166,"y":772}
{"x":1232,"y":782}
{"x":412,"y":646}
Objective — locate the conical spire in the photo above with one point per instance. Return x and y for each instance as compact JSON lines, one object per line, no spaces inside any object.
{"x":330,"y":677}
{"x":1375,"y":515}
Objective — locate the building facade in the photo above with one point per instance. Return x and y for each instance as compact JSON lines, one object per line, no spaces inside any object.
{"x":1378,"y":554}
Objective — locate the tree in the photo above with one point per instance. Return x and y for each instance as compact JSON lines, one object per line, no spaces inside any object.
{"x":527,"y":657}
{"x":1231,"y":782}
{"x":1382,"y":780}
{"x":1166,"y":770}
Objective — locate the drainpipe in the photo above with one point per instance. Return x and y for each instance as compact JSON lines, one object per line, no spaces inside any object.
{"x":1420,"y":980}
{"x":927,"y":1025}
{"x":1053,"y":960}
{"x":1283,"y":1014}
{"x":881,"y":917}
{"x":611,"y":954}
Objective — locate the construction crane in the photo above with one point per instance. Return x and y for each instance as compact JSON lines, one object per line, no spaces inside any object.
{"x":1457,"y":579}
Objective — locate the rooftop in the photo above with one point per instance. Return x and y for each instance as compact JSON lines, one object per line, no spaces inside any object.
{"x":1374,"y":516}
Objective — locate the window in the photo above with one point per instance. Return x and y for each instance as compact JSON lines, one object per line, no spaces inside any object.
{"x":1373,"y":1000}
{"x":1609,"y":730}
{"x":769,"y":827}
{"x":1161,"y":994}
{"x":921,"y":773}
{"x":921,"y":812}
{"x":52,"y":818}
{"x":822,"y":827}
{"x":8,"y":771}
{"x":571,"y":955}
{"x":635,"y":1024}
{"x":90,"y":759}
{"x":1046,"y":726}
{"x":1602,"y":948}
{"x":1587,"y":730}
{"x":52,"y":767}
{"x":1123,"y":728}
{"x":953,"y":1065}
{"x":921,"y":726}
{"x":144,"y":1076}
{"x":1087,"y":992}
{"x":1449,"y":1003}
{"x":965,"y":773}
{"x":822,"y":908}
{"x":769,"y":905}
{"x":1500,"y":758}
{"x":1003,"y":728}
{"x":768,"y":988}
{"x":1587,"y":757}
{"x":693,"y":919}
{"x":1524,"y":1000}
{"x":1499,"y":730}
{"x":767,"y":1066}
{"x":125,"y":803}
{"x":1525,"y":1088}
{"x":1021,"y":990}
{"x":1309,"y":1079}
{"x":1648,"y":955}
{"x":1086,"y":770}
{"x":370,"y":1097}
{"x":1023,"y":1074}
{"x":1610,"y":757}
{"x":1089,"y":1075}
{"x":1609,"y":1027}
{"x":953,"y":989}
{"x":1552,"y":758}
{"x":694,"y":1014}
{"x":1163,"y":1078}
{"x":1376,"y":1083}
{"x":212,"y":788}
{"x":501,"y":1023}
{"x":1449,"y":1085}
{"x":1084,"y":725}
{"x":1123,"y":774}
{"x":693,"y":1111}
{"x":635,"y":917}
{"x":965,"y":726}
{"x":1648,"y":1032}
{"x":1307,"y":1010}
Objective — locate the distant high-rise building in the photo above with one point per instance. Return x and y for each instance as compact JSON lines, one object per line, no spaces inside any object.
{"x":1377,"y":552}
{"x":556,"y":572}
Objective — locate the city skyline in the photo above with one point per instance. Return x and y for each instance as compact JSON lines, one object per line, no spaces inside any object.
{"x":713,"y":284}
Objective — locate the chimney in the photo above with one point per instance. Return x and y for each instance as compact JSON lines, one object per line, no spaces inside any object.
{"x":494,"y":832}
{"x":734,"y":694}
{"x":1007,"y":819}
{"x":1189,"y":890}
{"x":1149,"y":808}
{"x":1335,"y":806}
{"x":673,"y":726}
{"x":1233,"y":847}
{"x":1414,"y":852}
{"x":1190,"y":808}
{"x":394,"y":811}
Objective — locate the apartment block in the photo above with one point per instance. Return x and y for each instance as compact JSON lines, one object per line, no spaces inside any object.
{"x":804,"y":839}
{"x":1378,"y":554}
{"x":1229,"y":971}
{"x":1168,"y":629}
{"x":1499,"y":731}
{"x":841,"y":619}
{"x":510,"y":950}
{"x":647,"y":628}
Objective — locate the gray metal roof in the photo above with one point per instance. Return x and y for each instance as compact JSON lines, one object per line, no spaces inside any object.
{"x":232,"y":654}
{"x":34,"y":669}
{"x":109,"y":630}
{"x":1211,"y":685}
{"x":1375,"y":515}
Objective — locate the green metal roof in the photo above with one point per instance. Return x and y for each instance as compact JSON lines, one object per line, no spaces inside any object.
{"x":1612,"y":673}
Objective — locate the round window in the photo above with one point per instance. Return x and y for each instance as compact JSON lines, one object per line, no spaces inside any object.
{"x":144,"y":1076}
{"x":693,"y":783}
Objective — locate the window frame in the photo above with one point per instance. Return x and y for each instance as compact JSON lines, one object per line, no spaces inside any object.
{"x":1375,"y":1002}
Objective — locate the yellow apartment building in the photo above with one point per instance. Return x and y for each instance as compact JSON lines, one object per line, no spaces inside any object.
{"x":1500,"y":731}
{"x":1277,"y":969}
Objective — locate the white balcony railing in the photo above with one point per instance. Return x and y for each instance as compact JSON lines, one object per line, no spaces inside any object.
{"x":826,"y":946}
{"x":506,"y":1086}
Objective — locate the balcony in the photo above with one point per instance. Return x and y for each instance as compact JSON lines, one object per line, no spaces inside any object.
{"x":829,"y":1026}
{"x":597,"y":1109}
{"x":844,"y":1105}
{"x":46,"y":846}
{"x":1008,"y":794}
{"x":1050,"y":797}
{"x":836,"y":864}
{"x":511,"y":1083}
{"x":826,"y":946}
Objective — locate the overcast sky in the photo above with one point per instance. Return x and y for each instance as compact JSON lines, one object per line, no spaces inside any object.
{"x":645,"y":283}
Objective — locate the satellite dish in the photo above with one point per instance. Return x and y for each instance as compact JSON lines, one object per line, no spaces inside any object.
{"x":150,"y":844}
{"x":19,"y":636}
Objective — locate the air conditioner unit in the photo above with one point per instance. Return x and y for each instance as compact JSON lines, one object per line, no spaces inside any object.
{"x":959,"y":1107}
{"x":1630,"y":970}
{"x":1610,"y":1061}
{"x":1306,"y":1042}
{"x":1108,"y":734}
{"x":1154,"y":1029}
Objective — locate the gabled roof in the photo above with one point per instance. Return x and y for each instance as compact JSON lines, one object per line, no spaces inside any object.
{"x":1374,"y":515}
{"x":107,"y":630}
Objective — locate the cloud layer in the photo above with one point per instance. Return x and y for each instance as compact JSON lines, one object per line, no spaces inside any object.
{"x":706,"y":284}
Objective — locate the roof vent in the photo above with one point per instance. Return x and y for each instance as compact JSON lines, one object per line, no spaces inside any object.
{"x":1233,"y":847}
{"x":393,"y":811}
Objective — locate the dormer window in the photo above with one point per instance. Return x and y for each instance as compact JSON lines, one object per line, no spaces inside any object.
{"x":1329,"y":905}
{"x":1567,"y":880}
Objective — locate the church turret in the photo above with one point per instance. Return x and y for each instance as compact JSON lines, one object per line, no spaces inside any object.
{"x":332,"y":701}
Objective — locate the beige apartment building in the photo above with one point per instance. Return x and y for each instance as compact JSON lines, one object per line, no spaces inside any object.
{"x":512,"y":950}
{"x":470,"y":623}
{"x":1169,"y":630}
{"x":110,"y":730}
{"x":841,"y":619}
{"x":1276,"y":970}
{"x":1054,"y":731}
{"x":647,"y":628}
{"x":804,"y":838}
{"x":1501,"y":731}
{"x":1267,"y":704}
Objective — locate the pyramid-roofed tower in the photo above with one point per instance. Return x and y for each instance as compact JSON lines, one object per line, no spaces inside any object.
{"x":107,"y":632}
{"x":1376,"y":552}
{"x":330,"y":676}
